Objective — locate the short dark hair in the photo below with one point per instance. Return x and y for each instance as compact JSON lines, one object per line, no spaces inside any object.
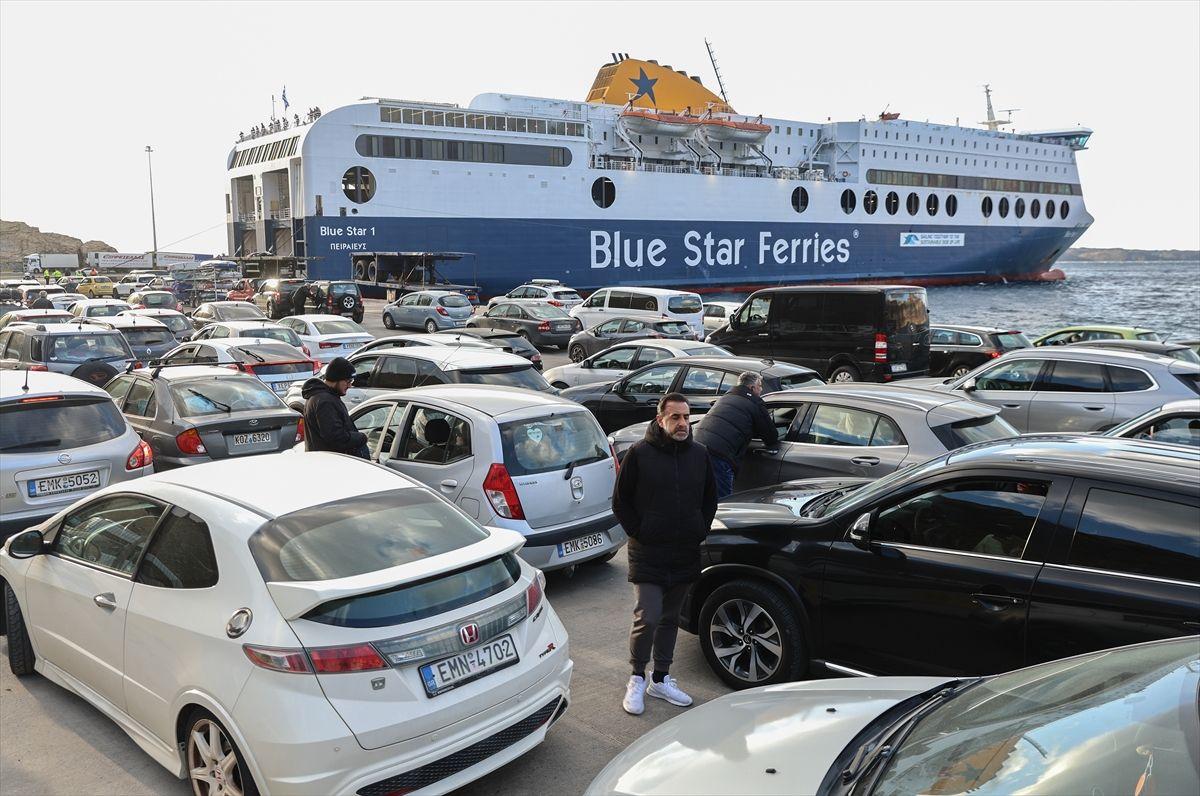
{"x":670,"y":398}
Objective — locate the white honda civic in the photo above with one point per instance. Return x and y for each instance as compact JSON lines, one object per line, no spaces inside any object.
{"x":360,"y":635}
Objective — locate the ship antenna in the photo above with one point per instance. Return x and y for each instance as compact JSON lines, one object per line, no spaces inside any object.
{"x":720,"y":81}
{"x":992,"y":123}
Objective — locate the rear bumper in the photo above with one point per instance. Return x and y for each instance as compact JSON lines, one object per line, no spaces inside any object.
{"x":542,"y":547}
{"x":547,"y":338}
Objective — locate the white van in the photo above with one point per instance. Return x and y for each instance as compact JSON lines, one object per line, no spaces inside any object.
{"x":652,"y":303}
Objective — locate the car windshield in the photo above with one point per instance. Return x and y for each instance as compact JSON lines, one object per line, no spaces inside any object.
{"x":199,"y":397}
{"x":552,"y":443}
{"x":366,"y":533}
{"x":1119,"y":721}
{"x":547,"y":312}
{"x":567,"y":295}
{"x":977,"y":429}
{"x":105,"y":310}
{"x":158,"y":300}
{"x":238,"y":312}
{"x":147,"y":337}
{"x":685,"y":304}
{"x":673,"y":327}
{"x":454,"y":301}
{"x":58,"y":423}
{"x":76,"y":348}
{"x":803,"y":379}
{"x":281,"y":334}
{"x":343,"y":289}
{"x":176,"y":323}
{"x":1008,"y":341}
{"x":344,"y":326}
{"x":905,"y":310}
{"x":526,"y":378}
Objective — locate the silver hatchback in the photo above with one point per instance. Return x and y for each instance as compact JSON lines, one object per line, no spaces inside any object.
{"x":60,"y":439}
{"x":431,"y":310}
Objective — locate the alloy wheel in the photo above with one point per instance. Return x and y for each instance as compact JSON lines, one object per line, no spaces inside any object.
{"x":745,"y":640}
{"x":213,"y":766}
{"x":960,"y":371}
{"x":842,"y":377}
{"x":577,"y":354}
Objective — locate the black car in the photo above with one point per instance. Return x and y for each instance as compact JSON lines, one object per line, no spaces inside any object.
{"x":843,"y":332}
{"x":957,"y":350}
{"x":341,"y":297}
{"x":634,"y":399}
{"x":274,"y":297}
{"x":997,"y":556}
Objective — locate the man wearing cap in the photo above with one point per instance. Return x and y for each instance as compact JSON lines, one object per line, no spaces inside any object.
{"x":327,"y":425}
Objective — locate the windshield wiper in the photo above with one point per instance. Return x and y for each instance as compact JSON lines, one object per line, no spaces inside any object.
{"x":37,"y":443}
{"x":250,"y":353}
{"x":223,"y":407}
{"x":571,"y":467}
{"x":821,"y":501}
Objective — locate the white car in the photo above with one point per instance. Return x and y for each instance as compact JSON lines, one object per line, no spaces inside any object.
{"x":328,"y":336}
{"x":64,"y":301}
{"x":278,"y":365}
{"x":643,"y":303}
{"x":36,"y":316}
{"x":99,"y":307}
{"x":31,"y":293}
{"x":133,"y":283}
{"x":359,"y":635}
{"x":557,"y":294}
{"x":259,"y":330}
{"x":530,"y":462}
{"x":718,"y":313}
{"x":619,"y":361}
{"x":60,"y":439}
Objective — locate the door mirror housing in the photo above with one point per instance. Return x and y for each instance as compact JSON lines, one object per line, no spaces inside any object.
{"x":27,"y":544}
{"x":968,"y":385}
{"x":860,"y":531}
{"x":360,"y":380}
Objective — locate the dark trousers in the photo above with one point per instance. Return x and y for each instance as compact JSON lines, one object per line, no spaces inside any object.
{"x":655,"y":625}
{"x":724,"y":474}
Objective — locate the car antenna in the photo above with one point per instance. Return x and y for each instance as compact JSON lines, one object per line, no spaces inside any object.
{"x":25,"y":386}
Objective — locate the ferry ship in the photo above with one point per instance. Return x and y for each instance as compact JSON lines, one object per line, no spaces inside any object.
{"x":654,"y":179}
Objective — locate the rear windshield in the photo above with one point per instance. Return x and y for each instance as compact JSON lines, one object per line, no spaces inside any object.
{"x":105,"y":310}
{"x":59,"y":424}
{"x":1184,"y":355}
{"x":454,"y":301}
{"x":516,"y":342}
{"x":799,"y":380}
{"x":1148,"y":336}
{"x":290,"y":284}
{"x":547,"y":312}
{"x":267,"y":333}
{"x":267,"y":352}
{"x":238,"y":312}
{"x":343,"y":289}
{"x":567,"y":295}
{"x":176,"y":323}
{"x":366,"y":533}
{"x":76,"y":348}
{"x":905,"y":310}
{"x":1007,"y":341}
{"x":685,"y":304}
{"x":526,"y":378}
{"x":222,"y":395}
{"x":968,"y":432}
{"x":338,"y":327}
{"x":548,"y":444}
{"x":145,"y":337}
{"x":673,"y":327}
{"x":158,"y":300}
{"x":705,"y":351}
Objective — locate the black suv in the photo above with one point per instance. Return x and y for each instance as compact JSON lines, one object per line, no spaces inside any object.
{"x":957,"y":350}
{"x":340,"y":298}
{"x":993,"y":557}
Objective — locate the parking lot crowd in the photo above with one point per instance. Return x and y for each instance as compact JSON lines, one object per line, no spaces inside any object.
{"x":292,"y":540}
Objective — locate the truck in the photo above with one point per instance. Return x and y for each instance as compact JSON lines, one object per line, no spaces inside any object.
{"x":139,"y":261}
{"x":37,"y":263}
{"x":390,"y":275}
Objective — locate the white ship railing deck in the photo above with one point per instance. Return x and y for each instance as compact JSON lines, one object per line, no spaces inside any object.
{"x":605,"y":162}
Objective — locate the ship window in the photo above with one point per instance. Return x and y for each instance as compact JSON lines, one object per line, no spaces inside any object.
{"x":892,"y":203}
{"x":870,"y":202}
{"x":1063,"y":208}
{"x":476,"y":121}
{"x":1002,"y":209}
{"x":985,"y":206}
{"x":1049,"y":208}
{"x":358,"y":184}
{"x":800,"y":200}
{"x":539,"y":126}
{"x":951,"y":205}
{"x":931,"y":204}
{"x":913,"y":204}
{"x":604,"y":193}
{"x":1035,"y":208}
{"x":1019,"y":209}
{"x":848,"y":201}
{"x":789,"y":131}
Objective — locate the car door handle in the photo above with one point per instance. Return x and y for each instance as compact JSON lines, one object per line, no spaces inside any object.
{"x":763,"y":334}
{"x":869,"y":461}
{"x":1012,"y":406}
{"x":106,"y":600}
{"x":448,"y":484}
{"x":1095,"y":408}
{"x":764,"y":451}
{"x":355,"y":398}
{"x":996,"y":602}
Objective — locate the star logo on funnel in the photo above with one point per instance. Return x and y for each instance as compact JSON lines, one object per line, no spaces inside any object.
{"x":645,"y":86}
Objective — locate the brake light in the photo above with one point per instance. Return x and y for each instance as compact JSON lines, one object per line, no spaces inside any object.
{"x":616,"y":461}
{"x":300,"y":430}
{"x":316,"y":366}
{"x":189,"y":442}
{"x":328,"y":345}
{"x":39,"y":368}
{"x":533,"y":595}
{"x":356,"y":658}
{"x":241,"y":367}
{"x":142,"y":456}
{"x":554,"y":303}
{"x":502,"y":493}
{"x":544,"y":326}
{"x":881,"y":347}
{"x":993,"y":354}
{"x":41,"y":398}
{"x":278,"y":660}
{"x":442,"y":311}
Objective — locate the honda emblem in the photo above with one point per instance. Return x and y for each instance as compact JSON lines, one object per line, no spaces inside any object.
{"x":469,"y":633}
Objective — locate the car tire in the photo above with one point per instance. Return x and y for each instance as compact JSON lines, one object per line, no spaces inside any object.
{"x":203,"y":728}
{"x":388,"y":321}
{"x":774,"y":622}
{"x":97,"y":373}
{"x":959,"y":369}
{"x":431,"y":326}
{"x":577,"y":353}
{"x":20,"y":651}
{"x":844,"y":374}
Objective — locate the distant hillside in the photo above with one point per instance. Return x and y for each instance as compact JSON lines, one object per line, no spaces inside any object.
{"x":18,"y":239}
{"x":1129,"y":255}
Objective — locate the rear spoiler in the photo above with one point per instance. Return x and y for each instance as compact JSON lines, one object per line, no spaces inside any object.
{"x":296,"y":598}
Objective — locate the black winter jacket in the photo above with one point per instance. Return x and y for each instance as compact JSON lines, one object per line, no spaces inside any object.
{"x":665,"y":498}
{"x":327,"y":425}
{"x":737,"y":417}
{"x":42,"y":304}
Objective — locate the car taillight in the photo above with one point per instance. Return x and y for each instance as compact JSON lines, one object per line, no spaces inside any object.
{"x":616,"y":461}
{"x":241,"y":367}
{"x":533,"y":595}
{"x":544,"y":326}
{"x":554,"y":303}
{"x":304,"y":348}
{"x":993,"y":354}
{"x":316,"y":366}
{"x":502,"y":493}
{"x":300,"y":430}
{"x":142,"y":456}
{"x":881,"y":347}
{"x":278,"y":660}
{"x":442,"y":311}
{"x":328,"y":345}
{"x":189,"y":442}
{"x":39,"y":368}
{"x":355,"y":658}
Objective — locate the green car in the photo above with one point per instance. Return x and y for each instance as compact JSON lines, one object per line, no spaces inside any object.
{"x":1077,"y":334}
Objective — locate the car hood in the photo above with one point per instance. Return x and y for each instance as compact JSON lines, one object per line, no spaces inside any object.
{"x":732,"y":744}
{"x":770,"y":503}
{"x":586,"y":391}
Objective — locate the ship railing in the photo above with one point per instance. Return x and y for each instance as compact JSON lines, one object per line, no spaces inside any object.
{"x":282,"y":213}
{"x":247,"y":218}
{"x":624,"y":164}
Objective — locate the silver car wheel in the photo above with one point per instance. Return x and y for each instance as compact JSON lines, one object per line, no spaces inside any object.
{"x":842,"y":376}
{"x":960,"y":371}
{"x":577,"y":354}
{"x":431,"y":326}
{"x":212,"y":761}
{"x":745,"y":640}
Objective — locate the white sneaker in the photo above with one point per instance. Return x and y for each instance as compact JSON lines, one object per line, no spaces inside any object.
{"x":634,"y":696}
{"x":668,"y":689}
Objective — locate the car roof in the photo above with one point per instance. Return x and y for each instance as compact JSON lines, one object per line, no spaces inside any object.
{"x":41,"y":383}
{"x":895,"y":395}
{"x":248,"y":323}
{"x":101,"y":302}
{"x":127,"y":322}
{"x":456,"y":358}
{"x":649,"y":291}
{"x":959,"y":327}
{"x":272,"y":491}
{"x":239,"y":342}
{"x":148,"y":292}
{"x":1152,"y":346}
{"x":1094,"y":354}
{"x":313,"y":318}
{"x":230,"y":304}
{"x":1086,"y":455}
{"x":736,"y":364}
{"x":149,"y":311}
{"x":494,"y":401}
{"x":1098,"y":327}
{"x":75,"y":327}
{"x":839,"y":288}
{"x":40,"y":313}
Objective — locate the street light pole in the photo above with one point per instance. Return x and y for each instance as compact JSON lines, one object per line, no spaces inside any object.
{"x":153,"y":222}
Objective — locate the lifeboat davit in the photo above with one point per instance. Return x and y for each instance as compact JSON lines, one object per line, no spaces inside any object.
{"x":737,"y":132}
{"x":657,"y":123}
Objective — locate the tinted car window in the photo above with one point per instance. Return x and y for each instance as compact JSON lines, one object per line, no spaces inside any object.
{"x":648,"y":355}
{"x":181,"y":554}
{"x":396,"y":373}
{"x":1019,"y":375}
{"x":887,"y":433}
{"x":53,"y":425}
{"x":839,"y":425}
{"x":673,"y":327}
{"x":454,"y":301}
{"x":218,"y":396}
{"x":968,"y":432}
{"x":653,"y":381}
{"x":549,"y":444}
{"x":986,"y":516}
{"x":614,"y":359}
{"x":684,"y":304}
{"x":140,"y":400}
{"x":147,"y":337}
{"x":111,"y":532}
{"x":1128,"y":379}
{"x":526,"y":378}
{"x":339,"y":327}
{"x":547,"y":312}
{"x":239,"y":313}
{"x":268,"y":333}
{"x":78,"y":348}
{"x":343,"y":289}
{"x":620,"y":300}
{"x":905,"y":310}
{"x":702,"y":381}
{"x":1007,"y":341}
{"x":1066,"y":376}
{"x":1137,"y":534}
{"x":803,"y":379}
{"x":941,"y":337}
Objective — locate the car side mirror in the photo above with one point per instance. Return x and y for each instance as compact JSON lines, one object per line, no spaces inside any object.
{"x":860,"y":531}
{"x":361,"y":380}
{"x":27,"y":544}
{"x":968,"y":385}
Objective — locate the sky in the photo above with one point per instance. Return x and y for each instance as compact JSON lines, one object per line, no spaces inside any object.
{"x":85,"y":87}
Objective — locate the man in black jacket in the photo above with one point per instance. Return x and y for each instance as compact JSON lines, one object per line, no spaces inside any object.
{"x":327,"y":425}
{"x":42,"y":302}
{"x":665,"y":499}
{"x":737,"y":417}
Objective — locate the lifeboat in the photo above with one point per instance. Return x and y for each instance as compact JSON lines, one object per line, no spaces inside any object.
{"x":737,"y":132}
{"x":658,"y":123}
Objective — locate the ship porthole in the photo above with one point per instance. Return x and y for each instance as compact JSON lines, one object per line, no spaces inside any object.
{"x":951,"y":205}
{"x":1050,"y":209}
{"x":931,"y":204}
{"x":892,"y":203}
{"x":358,"y":184}
{"x":870,"y":202}
{"x":1035,"y":208}
{"x":1003,"y":208}
{"x":1063,"y":208}
{"x":1020,"y":208}
{"x":912,"y":204}
{"x":848,"y":201}
{"x":800,"y":200}
{"x":604,"y":193}
{"x":985,"y":207}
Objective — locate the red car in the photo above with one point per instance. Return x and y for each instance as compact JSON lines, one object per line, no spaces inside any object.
{"x":244,"y":290}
